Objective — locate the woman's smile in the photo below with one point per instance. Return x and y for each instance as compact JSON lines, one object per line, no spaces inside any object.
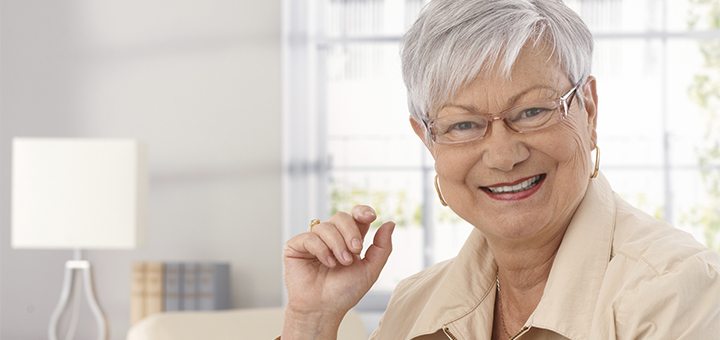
{"x":516,"y":190}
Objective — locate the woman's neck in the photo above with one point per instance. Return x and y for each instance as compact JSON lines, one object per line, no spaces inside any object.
{"x":523,"y":272}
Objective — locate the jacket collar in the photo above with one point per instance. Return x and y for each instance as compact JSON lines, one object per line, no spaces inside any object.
{"x":465,"y":299}
{"x":465,"y":295}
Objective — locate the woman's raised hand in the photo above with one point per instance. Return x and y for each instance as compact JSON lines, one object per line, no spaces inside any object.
{"x":325,"y":276}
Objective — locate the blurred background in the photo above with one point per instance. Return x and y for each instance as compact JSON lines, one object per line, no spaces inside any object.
{"x":261,"y":115}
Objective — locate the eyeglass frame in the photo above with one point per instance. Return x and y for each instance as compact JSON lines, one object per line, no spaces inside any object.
{"x":565,"y":99}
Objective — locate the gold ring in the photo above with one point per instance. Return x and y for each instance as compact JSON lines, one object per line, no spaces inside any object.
{"x":313,"y":223}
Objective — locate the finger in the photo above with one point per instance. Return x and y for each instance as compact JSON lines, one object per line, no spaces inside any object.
{"x":330,"y":233}
{"x":378,"y":253}
{"x":348,"y":228}
{"x":364,"y":215}
{"x":307,"y":246}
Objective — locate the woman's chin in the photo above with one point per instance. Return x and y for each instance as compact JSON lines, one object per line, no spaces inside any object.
{"x":519,"y":228}
{"x":514,"y":232}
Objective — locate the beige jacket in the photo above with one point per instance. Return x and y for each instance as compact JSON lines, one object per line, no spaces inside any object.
{"x":618,"y":274}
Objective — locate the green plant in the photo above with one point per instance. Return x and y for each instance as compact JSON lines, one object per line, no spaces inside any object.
{"x":389,"y":205}
{"x":705,"y":92}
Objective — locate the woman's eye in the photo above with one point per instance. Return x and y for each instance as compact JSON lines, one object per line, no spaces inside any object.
{"x":462,"y":126}
{"x":529,"y":113}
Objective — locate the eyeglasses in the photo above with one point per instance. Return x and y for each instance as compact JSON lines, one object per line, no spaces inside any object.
{"x":522,"y":118}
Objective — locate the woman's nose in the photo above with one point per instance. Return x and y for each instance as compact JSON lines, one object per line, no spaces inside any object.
{"x":502,"y":147}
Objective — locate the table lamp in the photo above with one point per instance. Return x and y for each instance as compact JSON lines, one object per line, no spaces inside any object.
{"x":70,"y":193}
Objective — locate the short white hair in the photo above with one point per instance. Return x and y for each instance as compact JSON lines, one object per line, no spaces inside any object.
{"x":455,"y":41}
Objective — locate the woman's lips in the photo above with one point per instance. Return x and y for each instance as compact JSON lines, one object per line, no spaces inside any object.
{"x":517,"y":190}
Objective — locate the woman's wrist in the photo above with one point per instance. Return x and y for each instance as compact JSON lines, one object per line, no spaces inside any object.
{"x":307,"y":325}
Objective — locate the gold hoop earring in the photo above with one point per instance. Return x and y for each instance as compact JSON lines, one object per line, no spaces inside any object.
{"x":437,"y":188}
{"x":597,"y":162}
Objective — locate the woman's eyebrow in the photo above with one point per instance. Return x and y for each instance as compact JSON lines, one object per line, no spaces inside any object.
{"x":514,"y":99}
{"x":470,"y":108}
{"x":511,"y":102}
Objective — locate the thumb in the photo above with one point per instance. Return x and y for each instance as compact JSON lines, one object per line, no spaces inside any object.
{"x":378,"y":253}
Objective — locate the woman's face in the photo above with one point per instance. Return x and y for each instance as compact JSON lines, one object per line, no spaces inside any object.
{"x":558,"y":155}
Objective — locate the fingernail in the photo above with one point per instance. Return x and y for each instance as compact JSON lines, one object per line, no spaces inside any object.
{"x":369,"y":213}
{"x":330,"y":260}
{"x":346,"y":256}
{"x":356,"y":243}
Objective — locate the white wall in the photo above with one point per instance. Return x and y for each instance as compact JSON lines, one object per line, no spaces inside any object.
{"x":200,"y":82}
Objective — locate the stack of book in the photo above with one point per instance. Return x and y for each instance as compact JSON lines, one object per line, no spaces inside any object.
{"x":178,"y":286}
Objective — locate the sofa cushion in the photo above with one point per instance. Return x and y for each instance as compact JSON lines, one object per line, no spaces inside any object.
{"x":228,"y":324}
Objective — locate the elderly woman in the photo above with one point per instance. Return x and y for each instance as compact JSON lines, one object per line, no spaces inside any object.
{"x":501,"y":94}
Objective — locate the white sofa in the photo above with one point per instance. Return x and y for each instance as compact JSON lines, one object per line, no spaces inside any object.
{"x":235,"y":324}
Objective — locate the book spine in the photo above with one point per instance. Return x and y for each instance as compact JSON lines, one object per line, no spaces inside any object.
{"x":190,"y":287}
{"x":214,"y":286}
{"x":172,"y":287}
{"x":222,"y":287}
{"x":154,"y":287}
{"x":137,"y":292}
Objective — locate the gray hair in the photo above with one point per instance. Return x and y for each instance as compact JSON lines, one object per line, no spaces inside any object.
{"x":455,"y":41}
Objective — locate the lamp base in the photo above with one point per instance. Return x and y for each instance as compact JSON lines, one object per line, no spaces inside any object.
{"x":70,"y":267}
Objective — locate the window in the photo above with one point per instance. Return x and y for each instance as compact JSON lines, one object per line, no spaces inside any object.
{"x":348,"y":139}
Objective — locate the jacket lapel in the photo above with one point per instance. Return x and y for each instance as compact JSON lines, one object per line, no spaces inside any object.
{"x":568,"y":303}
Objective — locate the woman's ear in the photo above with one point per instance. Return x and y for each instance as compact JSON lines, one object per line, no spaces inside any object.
{"x":590,"y":100}
{"x":419,"y":129}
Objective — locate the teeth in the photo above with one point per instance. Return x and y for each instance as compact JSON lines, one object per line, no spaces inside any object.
{"x":515,"y":188}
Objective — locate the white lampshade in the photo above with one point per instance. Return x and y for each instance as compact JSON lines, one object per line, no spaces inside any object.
{"x":78,"y":193}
